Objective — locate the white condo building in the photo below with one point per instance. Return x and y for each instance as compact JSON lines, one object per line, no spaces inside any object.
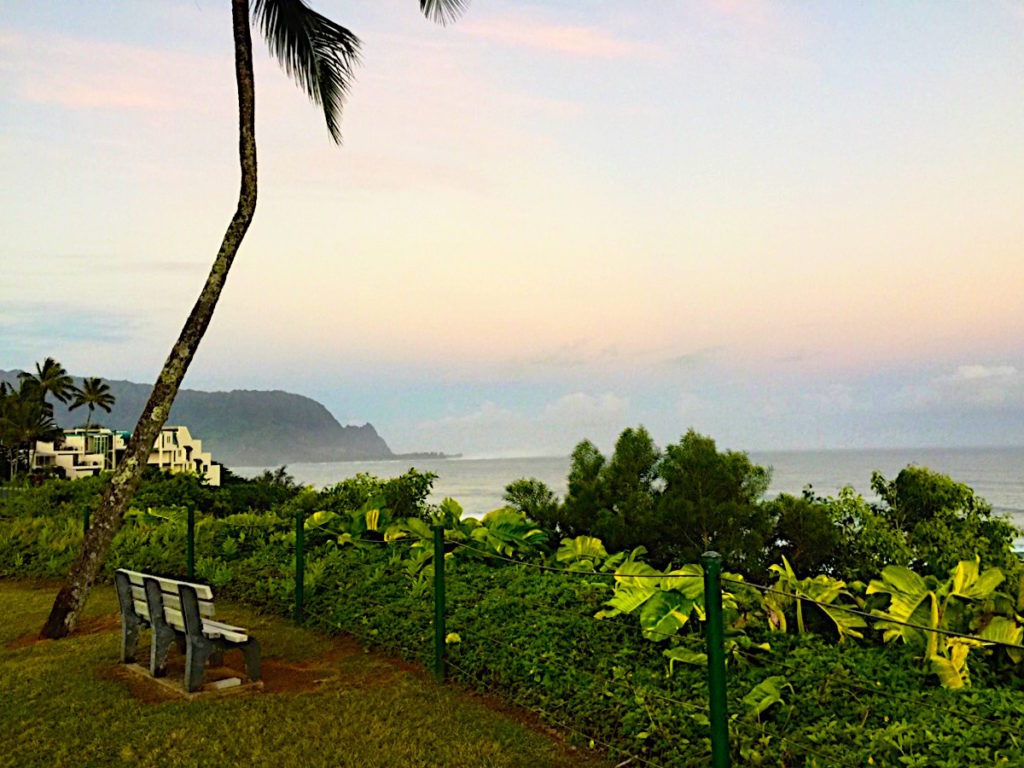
{"x":82,"y":454}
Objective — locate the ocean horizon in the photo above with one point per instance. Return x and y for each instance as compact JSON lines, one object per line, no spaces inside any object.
{"x":477,"y":483}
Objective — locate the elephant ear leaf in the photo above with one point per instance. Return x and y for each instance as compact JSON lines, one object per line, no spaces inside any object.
{"x":689,"y":580}
{"x":766,"y":693}
{"x":581,"y":548}
{"x":664,"y":615}
{"x":319,"y":519}
{"x":907,"y":592}
{"x":952,"y":668}
{"x":625,"y":600}
{"x":684,"y":655}
{"x":1005,"y":632}
{"x":847,"y":624}
{"x":418,"y":528}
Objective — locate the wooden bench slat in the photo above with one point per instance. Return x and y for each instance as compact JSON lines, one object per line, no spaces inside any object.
{"x":210,"y":628}
{"x":203,"y":592}
{"x":228,"y":632}
{"x":172,"y":600}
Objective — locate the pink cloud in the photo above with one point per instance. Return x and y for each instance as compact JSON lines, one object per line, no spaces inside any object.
{"x":581,"y":41}
{"x":91,"y":74}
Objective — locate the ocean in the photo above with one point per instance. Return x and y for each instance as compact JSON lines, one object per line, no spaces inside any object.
{"x":995,"y":474}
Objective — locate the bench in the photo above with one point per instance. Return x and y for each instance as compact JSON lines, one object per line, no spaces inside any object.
{"x":180,"y":612}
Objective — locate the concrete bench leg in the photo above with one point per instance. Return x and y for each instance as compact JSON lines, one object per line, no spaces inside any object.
{"x":129,"y":638}
{"x":251,"y":653}
{"x":131,"y":622}
{"x":197,"y":652}
{"x":163,"y":636}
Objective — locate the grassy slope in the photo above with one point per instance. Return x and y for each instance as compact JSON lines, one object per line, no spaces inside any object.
{"x":65,"y":703}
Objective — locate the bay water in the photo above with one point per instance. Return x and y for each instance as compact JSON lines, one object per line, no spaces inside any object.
{"x":995,"y":474}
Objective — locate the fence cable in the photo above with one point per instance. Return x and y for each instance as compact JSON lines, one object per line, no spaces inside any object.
{"x":570,"y":571}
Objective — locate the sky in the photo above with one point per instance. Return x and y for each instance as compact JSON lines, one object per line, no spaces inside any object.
{"x":785,"y":225}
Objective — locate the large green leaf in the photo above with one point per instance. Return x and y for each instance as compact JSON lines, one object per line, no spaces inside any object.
{"x":418,"y":528}
{"x":967,"y":583}
{"x":908,"y":594}
{"x":588,"y":548}
{"x":635,"y":583}
{"x":824,"y":590}
{"x":1003,"y":630}
{"x":906,"y":589}
{"x":320,"y":519}
{"x":952,"y":668}
{"x":766,"y":693}
{"x":664,"y":615}
{"x":684,"y":655}
{"x":625,"y":600}
{"x":689,"y":580}
{"x":634,"y":574}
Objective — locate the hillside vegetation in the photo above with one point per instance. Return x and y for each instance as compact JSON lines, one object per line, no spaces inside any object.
{"x":856,"y":633}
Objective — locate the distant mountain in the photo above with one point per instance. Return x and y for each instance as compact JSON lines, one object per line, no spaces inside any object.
{"x":242,"y":427}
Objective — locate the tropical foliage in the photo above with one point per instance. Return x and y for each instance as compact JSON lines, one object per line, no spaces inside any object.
{"x":690,"y":498}
{"x":94,"y":393}
{"x":25,"y":418}
{"x":604,"y":641}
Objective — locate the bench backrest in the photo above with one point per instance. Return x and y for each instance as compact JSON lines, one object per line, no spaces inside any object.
{"x":168,"y":593}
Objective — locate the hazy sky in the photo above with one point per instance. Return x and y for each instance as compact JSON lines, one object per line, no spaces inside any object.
{"x":782,"y":224}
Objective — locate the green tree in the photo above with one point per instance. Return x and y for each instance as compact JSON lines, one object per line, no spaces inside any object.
{"x":627,"y":492}
{"x":868,"y":540}
{"x":50,"y":378}
{"x":678,"y":504}
{"x":95,"y":393}
{"x":711,"y":501}
{"x":534,"y":499}
{"x":584,"y":496}
{"x":24,"y":420}
{"x":944,"y":522}
{"x":319,"y":55}
{"x":806,"y":535}
{"x":6,"y":436}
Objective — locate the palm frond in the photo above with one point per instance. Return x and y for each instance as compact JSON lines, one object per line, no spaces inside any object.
{"x":316,"y":52}
{"x":443,"y":11}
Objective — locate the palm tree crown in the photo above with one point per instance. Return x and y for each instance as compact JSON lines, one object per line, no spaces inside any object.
{"x":49,"y":378}
{"x":95,"y":393}
{"x":320,"y":54}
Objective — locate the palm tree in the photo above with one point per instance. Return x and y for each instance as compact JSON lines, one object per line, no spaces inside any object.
{"x":49,"y":378}
{"x":319,"y":54}
{"x":24,"y":419}
{"x":95,"y":393}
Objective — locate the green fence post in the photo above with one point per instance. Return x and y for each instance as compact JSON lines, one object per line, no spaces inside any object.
{"x":300,"y":566}
{"x":190,"y":544}
{"x":85,"y":521}
{"x":716,"y":659}
{"x":439,"y":603}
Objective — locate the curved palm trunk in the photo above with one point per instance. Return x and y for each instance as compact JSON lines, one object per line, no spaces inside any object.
{"x":107,"y":519}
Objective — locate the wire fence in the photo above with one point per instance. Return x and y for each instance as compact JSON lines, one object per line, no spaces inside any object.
{"x":553,"y":673}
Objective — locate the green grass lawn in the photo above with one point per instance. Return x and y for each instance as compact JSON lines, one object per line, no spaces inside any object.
{"x":325,"y":703}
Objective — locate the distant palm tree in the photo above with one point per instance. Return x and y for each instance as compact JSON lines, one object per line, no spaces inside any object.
{"x":24,"y":420}
{"x":95,"y":393}
{"x":49,"y":378}
{"x":319,"y":54}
